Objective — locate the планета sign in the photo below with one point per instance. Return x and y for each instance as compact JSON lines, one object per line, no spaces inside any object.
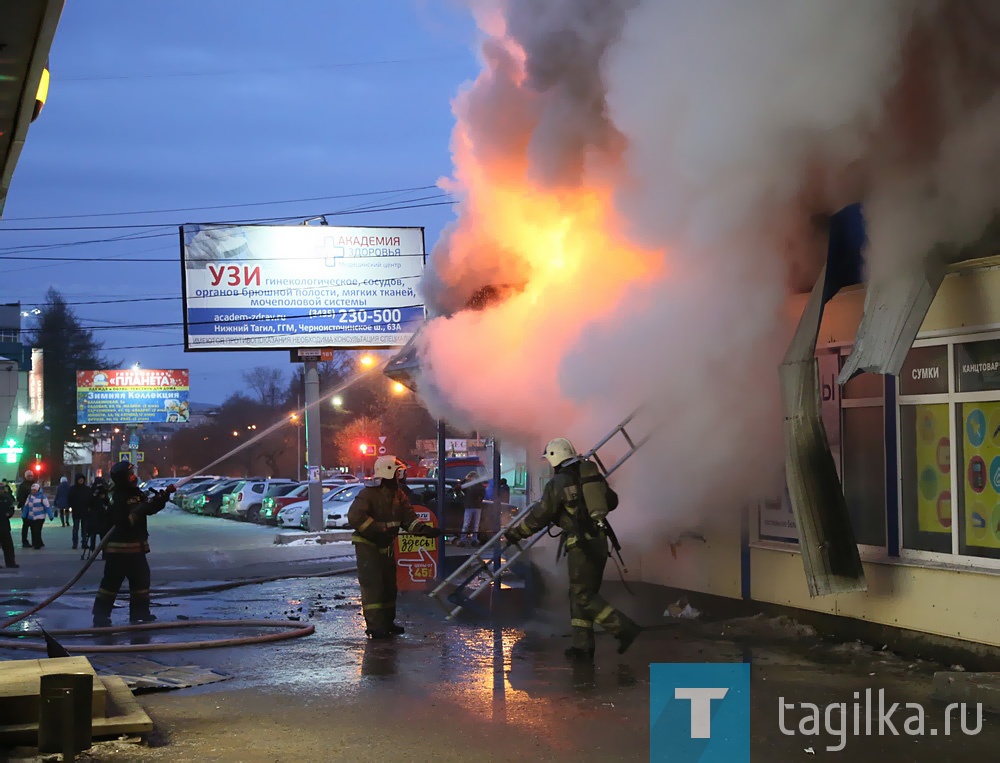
{"x":274,"y":287}
{"x":129,"y":396}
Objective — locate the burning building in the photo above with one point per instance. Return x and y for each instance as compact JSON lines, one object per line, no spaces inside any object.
{"x":662,"y":181}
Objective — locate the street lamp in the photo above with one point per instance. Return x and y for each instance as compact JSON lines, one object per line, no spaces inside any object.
{"x":235,"y":433}
{"x":398,"y":389}
{"x":337,"y":401}
{"x":367,"y":361}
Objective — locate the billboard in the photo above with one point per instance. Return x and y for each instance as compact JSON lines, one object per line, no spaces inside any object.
{"x":269,"y":287}
{"x":132,"y":396}
{"x":36,"y":387}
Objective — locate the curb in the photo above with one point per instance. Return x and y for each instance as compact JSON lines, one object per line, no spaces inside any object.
{"x":330,"y":536}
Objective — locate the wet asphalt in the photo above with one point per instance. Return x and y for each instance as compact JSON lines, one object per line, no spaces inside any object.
{"x":466,"y":691}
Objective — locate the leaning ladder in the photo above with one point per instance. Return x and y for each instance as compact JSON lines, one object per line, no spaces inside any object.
{"x":477,"y":566}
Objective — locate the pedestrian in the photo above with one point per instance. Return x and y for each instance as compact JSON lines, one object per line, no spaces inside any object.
{"x":376,"y":515}
{"x":79,"y":504}
{"x":7,"y":505}
{"x":128,"y":544}
{"x":577,"y":500}
{"x":62,"y":500}
{"x":98,"y":515}
{"x":504,"y":491}
{"x":23,"y":491}
{"x":36,"y":509}
{"x":474,"y":495}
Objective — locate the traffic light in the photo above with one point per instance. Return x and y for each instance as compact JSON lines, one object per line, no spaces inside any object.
{"x":366,"y":450}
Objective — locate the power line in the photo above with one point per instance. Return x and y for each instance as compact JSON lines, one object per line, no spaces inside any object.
{"x":150,"y":235}
{"x":223,"y":206}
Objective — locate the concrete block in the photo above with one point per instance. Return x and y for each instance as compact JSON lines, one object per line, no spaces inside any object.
{"x":20,"y":686}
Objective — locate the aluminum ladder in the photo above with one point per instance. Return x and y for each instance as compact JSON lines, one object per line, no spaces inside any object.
{"x":478,"y":565}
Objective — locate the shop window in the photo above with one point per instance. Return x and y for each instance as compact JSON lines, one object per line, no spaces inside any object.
{"x":977,"y":366}
{"x":864,"y":472}
{"x":925,"y":371}
{"x":979,"y":479}
{"x":925,"y":456}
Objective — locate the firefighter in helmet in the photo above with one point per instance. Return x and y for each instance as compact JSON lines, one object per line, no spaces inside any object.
{"x":577,"y":500}
{"x":127,"y":546}
{"x":377,"y":515}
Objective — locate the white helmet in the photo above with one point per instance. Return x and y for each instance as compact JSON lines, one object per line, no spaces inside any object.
{"x":387,"y":467}
{"x":559,"y":451}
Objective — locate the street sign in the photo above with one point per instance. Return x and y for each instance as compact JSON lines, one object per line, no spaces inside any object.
{"x":312,"y":353}
{"x":140,"y":457}
{"x":382,"y":450}
{"x":133,"y":442}
{"x":382,"y":440}
{"x":417,"y":557}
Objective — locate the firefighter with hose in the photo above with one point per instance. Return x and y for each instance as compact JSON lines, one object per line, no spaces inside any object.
{"x":126,"y":548}
{"x":378,"y":513}
{"x":577,"y":500}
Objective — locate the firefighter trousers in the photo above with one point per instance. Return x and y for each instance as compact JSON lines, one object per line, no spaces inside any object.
{"x":586,"y":561}
{"x":118,"y":568}
{"x":377,"y":579}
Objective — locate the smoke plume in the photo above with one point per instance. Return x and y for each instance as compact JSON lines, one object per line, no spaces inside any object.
{"x":643,"y":184}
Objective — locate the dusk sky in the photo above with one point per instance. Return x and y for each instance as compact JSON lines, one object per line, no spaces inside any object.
{"x":170,"y":106}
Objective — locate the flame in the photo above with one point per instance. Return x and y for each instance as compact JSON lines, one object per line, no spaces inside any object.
{"x":563,"y":245}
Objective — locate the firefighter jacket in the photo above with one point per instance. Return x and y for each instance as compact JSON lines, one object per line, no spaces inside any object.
{"x":129,"y":509}
{"x":379,"y":513}
{"x":560,"y":503}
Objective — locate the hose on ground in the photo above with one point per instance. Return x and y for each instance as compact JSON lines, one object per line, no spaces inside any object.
{"x":291,"y":629}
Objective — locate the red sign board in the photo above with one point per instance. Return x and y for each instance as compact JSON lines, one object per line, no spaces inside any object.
{"x":417,"y":557}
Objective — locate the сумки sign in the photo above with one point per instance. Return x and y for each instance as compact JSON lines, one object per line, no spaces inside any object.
{"x":294,"y":286}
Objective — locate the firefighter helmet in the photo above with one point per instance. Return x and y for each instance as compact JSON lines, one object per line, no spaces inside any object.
{"x":387,"y":467}
{"x":558,"y":451}
{"x":123,"y":474}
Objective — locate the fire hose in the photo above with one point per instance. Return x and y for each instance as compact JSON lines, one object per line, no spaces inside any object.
{"x":287,"y":628}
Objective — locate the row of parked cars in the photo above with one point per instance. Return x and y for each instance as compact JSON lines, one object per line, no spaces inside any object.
{"x":284,"y":503}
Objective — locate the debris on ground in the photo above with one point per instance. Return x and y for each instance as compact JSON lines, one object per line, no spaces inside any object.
{"x":682,"y":609}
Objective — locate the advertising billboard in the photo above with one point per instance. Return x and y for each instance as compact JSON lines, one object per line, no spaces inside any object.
{"x":270,"y":287}
{"x":132,"y":396}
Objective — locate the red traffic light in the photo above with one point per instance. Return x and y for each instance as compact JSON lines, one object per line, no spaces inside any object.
{"x":366,"y":450}
{"x":38,"y":467}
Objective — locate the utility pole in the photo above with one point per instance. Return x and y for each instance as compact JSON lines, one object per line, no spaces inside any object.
{"x":314,"y":457}
{"x":298,"y":440}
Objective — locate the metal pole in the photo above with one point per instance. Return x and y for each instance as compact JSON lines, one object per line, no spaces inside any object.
{"x":298,"y":440}
{"x":133,"y":456}
{"x":497,"y":504}
{"x":441,"y":487}
{"x":314,"y":457}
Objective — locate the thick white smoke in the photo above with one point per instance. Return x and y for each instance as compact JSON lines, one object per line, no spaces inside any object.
{"x":716,"y":135}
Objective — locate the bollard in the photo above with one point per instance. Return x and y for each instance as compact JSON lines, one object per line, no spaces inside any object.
{"x":65,"y":723}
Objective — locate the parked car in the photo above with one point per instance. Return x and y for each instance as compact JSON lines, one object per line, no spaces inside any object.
{"x":335,"y":506}
{"x":458,"y":467}
{"x":209,"y":502}
{"x":423,"y":492}
{"x":291,"y":515}
{"x":246,"y":500}
{"x":190,"y":486}
{"x":189,"y":500}
{"x":273,"y":504}
{"x":159,"y":483}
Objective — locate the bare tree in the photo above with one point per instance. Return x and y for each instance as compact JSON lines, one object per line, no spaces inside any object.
{"x":267,"y":384}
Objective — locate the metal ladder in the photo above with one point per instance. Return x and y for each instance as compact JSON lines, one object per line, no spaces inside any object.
{"x":478,"y":565}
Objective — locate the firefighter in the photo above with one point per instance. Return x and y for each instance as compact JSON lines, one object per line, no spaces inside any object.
{"x":577,"y":500}
{"x":378,"y":513}
{"x":127,"y":546}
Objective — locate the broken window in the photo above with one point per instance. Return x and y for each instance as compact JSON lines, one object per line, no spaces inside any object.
{"x":863,"y":470}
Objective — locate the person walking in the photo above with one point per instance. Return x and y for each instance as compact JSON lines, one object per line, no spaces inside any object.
{"x":62,"y":500}
{"x":7,"y":506}
{"x":79,"y":504}
{"x":23,"y":491}
{"x":98,"y":516}
{"x":35,"y":511}
{"x":474,"y":495}
{"x":577,"y":500}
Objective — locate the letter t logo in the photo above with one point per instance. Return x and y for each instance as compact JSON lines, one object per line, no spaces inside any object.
{"x":701,"y":708}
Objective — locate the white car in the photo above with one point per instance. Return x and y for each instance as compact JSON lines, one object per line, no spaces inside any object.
{"x":246,"y":500}
{"x":335,"y":507}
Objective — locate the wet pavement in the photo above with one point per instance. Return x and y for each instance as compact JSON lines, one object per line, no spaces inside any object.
{"x":461,"y":691}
